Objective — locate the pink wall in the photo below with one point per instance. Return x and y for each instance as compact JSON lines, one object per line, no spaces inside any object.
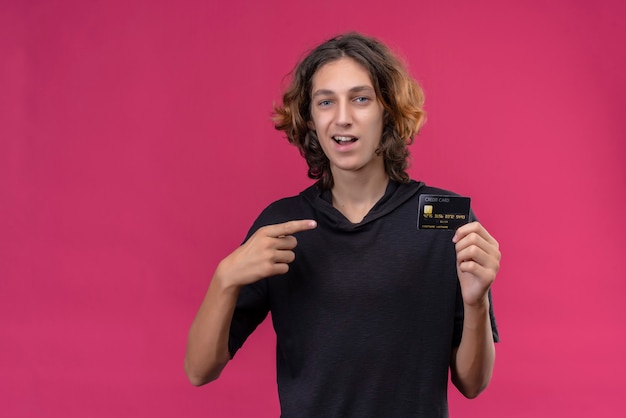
{"x":136,"y":150}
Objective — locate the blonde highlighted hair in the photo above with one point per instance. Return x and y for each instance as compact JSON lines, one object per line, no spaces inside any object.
{"x":400,"y":95}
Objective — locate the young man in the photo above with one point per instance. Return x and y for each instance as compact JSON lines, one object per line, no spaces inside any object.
{"x":370,"y":312}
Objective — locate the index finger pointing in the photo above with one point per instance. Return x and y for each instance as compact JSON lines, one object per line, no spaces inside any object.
{"x":291,"y":227}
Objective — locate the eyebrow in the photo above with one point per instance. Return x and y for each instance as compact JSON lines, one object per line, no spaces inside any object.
{"x":356,"y":89}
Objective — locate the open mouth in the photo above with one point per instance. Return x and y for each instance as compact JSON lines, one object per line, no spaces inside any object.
{"x":344,"y":139}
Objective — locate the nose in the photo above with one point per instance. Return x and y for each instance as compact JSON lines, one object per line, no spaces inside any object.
{"x":344,"y":113}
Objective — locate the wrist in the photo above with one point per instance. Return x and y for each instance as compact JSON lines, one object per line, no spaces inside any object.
{"x":223,"y":281}
{"x":476,"y":315}
{"x":479,"y":304}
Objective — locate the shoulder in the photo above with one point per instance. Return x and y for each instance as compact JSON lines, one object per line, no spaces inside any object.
{"x":414,"y":189}
{"x":286,"y":209}
{"x":427,"y":189}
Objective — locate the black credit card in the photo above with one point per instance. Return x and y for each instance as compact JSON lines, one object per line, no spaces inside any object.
{"x":442,"y":212}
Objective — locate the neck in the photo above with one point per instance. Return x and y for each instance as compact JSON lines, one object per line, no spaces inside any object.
{"x":354,"y":195}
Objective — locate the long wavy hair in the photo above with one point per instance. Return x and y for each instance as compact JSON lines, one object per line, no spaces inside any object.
{"x":402,"y":99}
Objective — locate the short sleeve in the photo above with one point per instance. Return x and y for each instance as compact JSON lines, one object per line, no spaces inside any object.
{"x":251,"y":309}
{"x":252,"y":306}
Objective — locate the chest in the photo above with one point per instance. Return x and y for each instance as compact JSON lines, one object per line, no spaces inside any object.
{"x":388,"y":265}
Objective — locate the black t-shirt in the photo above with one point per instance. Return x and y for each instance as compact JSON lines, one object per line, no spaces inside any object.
{"x":368,"y":313}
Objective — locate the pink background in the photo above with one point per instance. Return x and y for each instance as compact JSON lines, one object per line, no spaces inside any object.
{"x":136,"y":150}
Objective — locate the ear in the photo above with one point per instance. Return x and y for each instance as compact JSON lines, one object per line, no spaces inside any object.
{"x":310,"y":125}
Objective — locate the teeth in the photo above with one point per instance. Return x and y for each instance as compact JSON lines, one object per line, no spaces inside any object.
{"x":344,"y":138}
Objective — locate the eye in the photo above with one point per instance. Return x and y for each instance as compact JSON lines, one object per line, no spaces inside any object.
{"x":362,"y":99}
{"x":324,"y":103}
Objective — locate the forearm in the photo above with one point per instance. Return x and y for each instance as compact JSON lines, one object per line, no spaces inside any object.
{"x":207,"y":346}
{"x":472,"y":363}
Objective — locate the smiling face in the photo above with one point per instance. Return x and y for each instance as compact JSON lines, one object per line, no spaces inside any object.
{"x":347,"y":117}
